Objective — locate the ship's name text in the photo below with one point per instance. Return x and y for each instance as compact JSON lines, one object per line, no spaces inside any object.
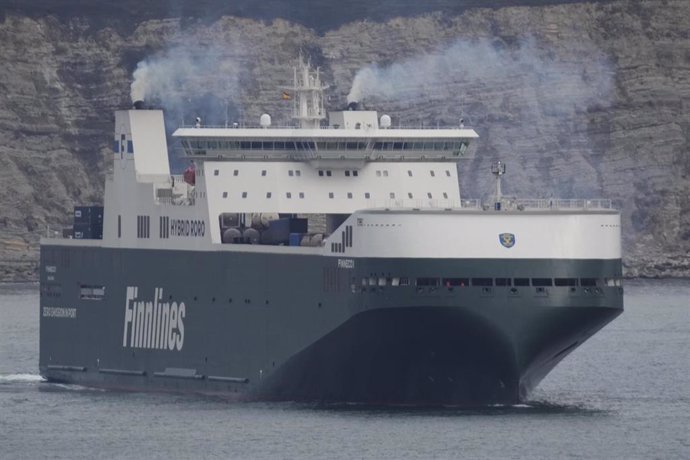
{"x":153,"y":324}
{"x":187,"y":227}
{"x":59,"y":312}
{"x":346,"y":263}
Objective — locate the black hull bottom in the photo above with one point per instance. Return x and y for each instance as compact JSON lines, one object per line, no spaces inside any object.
{"x":431,"y":356}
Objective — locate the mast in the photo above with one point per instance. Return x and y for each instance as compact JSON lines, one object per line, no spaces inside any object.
{"x":308,"y":95}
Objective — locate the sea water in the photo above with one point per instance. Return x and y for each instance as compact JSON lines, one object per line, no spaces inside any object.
{"x":623,"y":394}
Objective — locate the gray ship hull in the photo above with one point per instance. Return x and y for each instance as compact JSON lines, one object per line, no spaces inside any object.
{"x":314,"y":328}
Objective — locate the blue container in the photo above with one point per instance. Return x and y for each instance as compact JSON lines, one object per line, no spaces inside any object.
{"x":295,"y":239}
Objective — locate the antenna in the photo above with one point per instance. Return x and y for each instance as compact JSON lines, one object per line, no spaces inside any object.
{"x":308,"y":95}
{"x":498,"y":169}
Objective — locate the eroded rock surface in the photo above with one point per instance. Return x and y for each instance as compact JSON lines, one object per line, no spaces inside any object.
{"x":61,"y":80}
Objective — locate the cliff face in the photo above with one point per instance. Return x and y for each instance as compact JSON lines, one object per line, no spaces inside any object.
{"x":627,"y":139}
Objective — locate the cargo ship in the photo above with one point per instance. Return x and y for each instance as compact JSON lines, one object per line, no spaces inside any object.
{"x":330,"y":261}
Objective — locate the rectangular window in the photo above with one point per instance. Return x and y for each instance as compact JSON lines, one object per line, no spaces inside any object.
{"x":215,"y":172}
{"x":447,"y":173}
{"x":565,"y":282}
{"x":385,"y":173}
{"x":236,"y":172}
{"x":298,"y":173}
{"x":225,"y":194}
{"x":433,"y":174}
{"x":404,"y":281}
{"x":347,"y":173}
{"x":378,"y":173}
{"x":409,"y":195}
{"x":588,"y":282}
{"x":445,"y":195}
{"x":320,"y":173}
{"x":288,"y":194}
{"x":428,"y":282}
{"x":452,"y":282}
{"x":367,"y":195}
{"x":349,"y":195}
{"x":503,"y":281}
{"x":521,"y":282}
{"x":541,"y":282}
{"x":290,"y":173}
{"x":119,"y":226}
{"x":301,"y":194}
{"x":244,"y":194}
{"x":331,"y":195}
{"x":263,"y":172}
{"x":328,"y":173}
{"x":355,"y":173}
{"x":392,"y":195}
{"x":268,"y":194}
{"x":409,"y":172}
{"x":429,"y":195}
{"x":482,"y":282}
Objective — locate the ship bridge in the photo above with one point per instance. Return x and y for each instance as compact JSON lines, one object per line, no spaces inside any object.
{"x":361,"y":139}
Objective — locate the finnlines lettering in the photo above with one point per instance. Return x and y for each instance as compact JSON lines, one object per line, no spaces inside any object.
{"x":153,"y":324}
{"x":187,"y":227}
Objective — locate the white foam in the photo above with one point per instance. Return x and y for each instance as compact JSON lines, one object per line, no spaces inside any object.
{"x":21,"y":378}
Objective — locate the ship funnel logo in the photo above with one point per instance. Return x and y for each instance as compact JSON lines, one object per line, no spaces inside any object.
{"x":507,"y":239}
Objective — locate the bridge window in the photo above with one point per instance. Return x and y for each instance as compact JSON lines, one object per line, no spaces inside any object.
{"x":503,"y":281}
{"x":521,"y":281}
{"x":542,"y":282}
{"x":565,"y":282}
{"x":428,"y":281}
{"x":482,"y":282}
{"x":451,"y":282}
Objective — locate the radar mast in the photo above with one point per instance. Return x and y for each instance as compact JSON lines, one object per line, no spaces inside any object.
{"x":308,"y":95}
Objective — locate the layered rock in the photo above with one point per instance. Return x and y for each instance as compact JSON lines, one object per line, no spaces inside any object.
{"x":61,"y":81}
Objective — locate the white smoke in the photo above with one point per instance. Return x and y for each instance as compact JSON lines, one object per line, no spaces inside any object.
{"x":482,"y":62}
{"x":185,"y":72}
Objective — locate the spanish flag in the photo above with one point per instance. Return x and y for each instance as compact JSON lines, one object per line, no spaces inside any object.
{"x":286,"y":96}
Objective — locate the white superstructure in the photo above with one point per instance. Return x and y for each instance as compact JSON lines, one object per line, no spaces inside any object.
{"x":384,"y":192}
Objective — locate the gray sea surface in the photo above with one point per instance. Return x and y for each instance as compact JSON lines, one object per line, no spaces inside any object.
{"x":623,"y":394}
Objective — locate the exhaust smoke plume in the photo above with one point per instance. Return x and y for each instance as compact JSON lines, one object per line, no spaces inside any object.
{"x":190,"y":79}
{"x":482,"y":62}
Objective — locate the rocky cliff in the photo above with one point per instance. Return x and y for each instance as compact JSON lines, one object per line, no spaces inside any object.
{"x":579,"y":99}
